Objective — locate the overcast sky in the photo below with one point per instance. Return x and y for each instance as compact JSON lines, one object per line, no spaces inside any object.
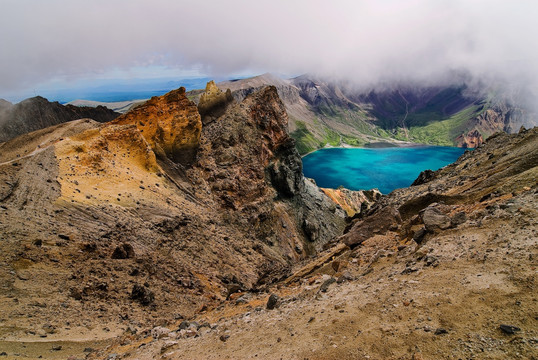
{"x":57,"y":41}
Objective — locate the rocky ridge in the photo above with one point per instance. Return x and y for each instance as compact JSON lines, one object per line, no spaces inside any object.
{"x":152,"y":217}
{"x":38,"y":113}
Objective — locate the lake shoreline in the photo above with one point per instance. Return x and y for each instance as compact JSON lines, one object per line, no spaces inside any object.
{"x":373,"y":145}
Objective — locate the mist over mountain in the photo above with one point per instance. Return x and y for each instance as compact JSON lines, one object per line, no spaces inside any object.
{"x":364,"y":43}
{"x":331,"y":112}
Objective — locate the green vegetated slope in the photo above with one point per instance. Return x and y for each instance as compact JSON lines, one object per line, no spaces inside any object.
{"x":442,"y":131}
{"x":428,"y":127}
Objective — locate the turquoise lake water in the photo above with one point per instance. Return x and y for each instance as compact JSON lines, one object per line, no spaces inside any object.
{"x":384,"y":168}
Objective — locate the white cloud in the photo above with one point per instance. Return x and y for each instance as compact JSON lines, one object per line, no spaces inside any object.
{"x":363,"y":41}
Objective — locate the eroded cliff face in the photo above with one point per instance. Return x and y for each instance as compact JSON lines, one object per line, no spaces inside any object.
{"x":249,"y":164}
{"x":170,"y":123}
{"x":153,"y":213}
{"x":472,"y":139}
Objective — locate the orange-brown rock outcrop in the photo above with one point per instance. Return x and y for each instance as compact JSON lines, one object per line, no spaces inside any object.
{"x":170,"y":123}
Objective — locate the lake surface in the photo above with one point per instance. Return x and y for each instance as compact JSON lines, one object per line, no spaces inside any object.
{"x":385,"y":168}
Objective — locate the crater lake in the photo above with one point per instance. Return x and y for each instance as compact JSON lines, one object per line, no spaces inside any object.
{"x":383,"y":168}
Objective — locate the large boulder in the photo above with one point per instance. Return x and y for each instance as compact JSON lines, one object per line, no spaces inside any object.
{"x":434,"y":219}
{"x":380,"y":222}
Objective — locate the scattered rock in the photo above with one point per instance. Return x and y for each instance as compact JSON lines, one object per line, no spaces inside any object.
{"x":224,"y":337}
{"x":509,"y":329}
{"x":380,"y":222}
{"x":272,"y":301}
{"x":459,"y":218}
{"x":159,"y":332}
{"x":346,"y":276}
{"x":440,"y":331}
{"x":431,"y":260}
{"x":419,"y":235}
{"x":57,"y":347}
{"x":3,"y":353}
{"x":49,"y":329}
{"x":325,"y":286}
{"x":191,"y":332}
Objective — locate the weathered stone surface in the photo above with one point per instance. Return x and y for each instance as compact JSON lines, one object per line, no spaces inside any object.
{"x":434,"y":219}
{"x":424,"y":177}
{"x":159,"y":332}
{"x":170,"y":123}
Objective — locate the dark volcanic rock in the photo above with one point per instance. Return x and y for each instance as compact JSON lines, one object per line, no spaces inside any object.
{"x":123,"y":251}
{"x":272,"y":302}
{"x":424,"y":177}
{"x":509,"y":329}
{"x":38,"y":113}
{"x":142,"y":294}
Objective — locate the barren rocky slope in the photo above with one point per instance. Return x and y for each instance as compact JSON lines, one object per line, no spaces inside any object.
{"x":150,"y":218}
{"x":161,"y":235}
{"x":445,"y":269}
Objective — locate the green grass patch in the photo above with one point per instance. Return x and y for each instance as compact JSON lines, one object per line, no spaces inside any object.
{"x":445,"y":131}
{"x":305,"y":141}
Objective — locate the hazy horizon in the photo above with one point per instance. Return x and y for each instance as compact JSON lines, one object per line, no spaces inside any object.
{"x":62,"y":44}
